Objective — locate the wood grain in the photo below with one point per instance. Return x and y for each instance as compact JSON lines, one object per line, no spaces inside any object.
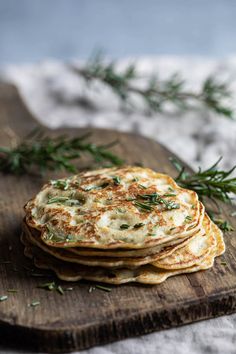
{"x":80,"y":319}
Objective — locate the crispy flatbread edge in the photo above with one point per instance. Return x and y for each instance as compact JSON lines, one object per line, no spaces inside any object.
{"x":145,"y":274}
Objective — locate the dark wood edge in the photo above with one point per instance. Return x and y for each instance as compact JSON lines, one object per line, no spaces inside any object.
{"x":58,"y":341}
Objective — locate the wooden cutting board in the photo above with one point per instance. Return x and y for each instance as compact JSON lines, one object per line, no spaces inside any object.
{"x":80,"y":319}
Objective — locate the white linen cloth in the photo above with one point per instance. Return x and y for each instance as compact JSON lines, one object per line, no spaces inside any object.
{"x":52,"y":92}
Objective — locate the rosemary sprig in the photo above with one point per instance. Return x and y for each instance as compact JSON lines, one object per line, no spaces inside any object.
{"x":213,"y":182}
{"x":156,"y":93}
{"x":48,"y":153}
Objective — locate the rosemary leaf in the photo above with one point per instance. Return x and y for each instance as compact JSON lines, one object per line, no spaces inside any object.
{"x":34,"y":303}
{"x":60,"y":290}
{"x":60,"y":184}
{"x":143,"y":206}
{"x":3,"y":298}
{"x":116,"y":180}
{"x":137,"y":226}
{"x":91,"y":289}
{"x":49,"y":286}
{"x":124,"y":226}
{"x":101,"y":287}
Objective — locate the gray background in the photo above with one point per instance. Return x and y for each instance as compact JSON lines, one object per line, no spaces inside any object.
{"x":31,"y":30}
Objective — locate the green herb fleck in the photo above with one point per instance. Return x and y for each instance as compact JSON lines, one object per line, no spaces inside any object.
{"x":49,"y":286}
{"x":143,"y":206}
{"x":60,"y":290}
{"x":124,"y":226}
{"x":57,"y":200}
{"x":142,"y":186}
{"x":91,"y":289}
{"x":120,"y":210}
{"x":116,"y":180}
{"x":137,"y":226}
{"x":89,"y":188}
{"x":61,"y":184}
{"x":171,"y":205}
{"x":34,"y":303}
{"x":12,"y":291}
{"x":92,"y":187}
{"x":3,"y":298}
{"x":66,"y":201}
{"x":101,"y":287}
{"x":135,"y":179}
{"x":70,"y":238}
{"x":52,"y":286}
{"x":188,"y":218}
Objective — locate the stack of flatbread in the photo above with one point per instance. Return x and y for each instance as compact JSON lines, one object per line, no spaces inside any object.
{"x":119,"y":225}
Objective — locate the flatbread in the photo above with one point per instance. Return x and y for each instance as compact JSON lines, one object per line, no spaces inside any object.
{"x":110,"y":209}
{"x":119,"y":225}
{"x":220,"y":249}
{"x":116,"y":253}
{"x":193,"y":252}
{"x":68,"y":256}
{"x":147,"y":274}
